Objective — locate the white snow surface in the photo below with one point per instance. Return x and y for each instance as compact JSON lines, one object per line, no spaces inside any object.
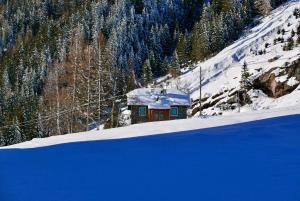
{"x":157,"y":128}
{"x":223,"y":71}
{"x":292,"y":81}
{"x":282,"y":78}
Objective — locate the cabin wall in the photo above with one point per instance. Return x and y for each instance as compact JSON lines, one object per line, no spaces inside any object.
{"x":182,"y":113}
{"x":135,"y":117}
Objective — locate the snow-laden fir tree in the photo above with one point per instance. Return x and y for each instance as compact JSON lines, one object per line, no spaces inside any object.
{"x":183,"y":49}
{"x":14,"y":134}
{"x":40,"y":127}
{"x":165,"y":65}
{"x":147,"y":72}
{"x":174,"y":68}
{"x":245,"y":83}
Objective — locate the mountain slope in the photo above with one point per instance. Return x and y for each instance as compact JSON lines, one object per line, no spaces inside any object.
{"x":222,"y":72}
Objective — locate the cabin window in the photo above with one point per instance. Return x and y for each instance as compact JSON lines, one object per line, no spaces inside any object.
{"x":142,"y":111}
{"x":174,"y":111}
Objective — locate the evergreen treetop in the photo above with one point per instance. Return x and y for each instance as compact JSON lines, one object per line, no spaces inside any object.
{"x":245,"y":83}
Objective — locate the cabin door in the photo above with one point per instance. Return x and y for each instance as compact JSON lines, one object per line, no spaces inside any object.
{"x":159,"y":115}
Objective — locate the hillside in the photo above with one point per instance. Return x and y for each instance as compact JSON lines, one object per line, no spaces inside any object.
{"x":264,"y":49}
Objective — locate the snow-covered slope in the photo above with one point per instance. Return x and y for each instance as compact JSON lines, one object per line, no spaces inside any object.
{"x":157,"y":128}
{"x":223,"y":71}
{"x":255,"y":161}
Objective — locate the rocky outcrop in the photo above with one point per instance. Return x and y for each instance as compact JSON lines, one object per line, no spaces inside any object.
{"x":275,"y":83}
{"x":227,"y":100}
{"x":279,"y":81}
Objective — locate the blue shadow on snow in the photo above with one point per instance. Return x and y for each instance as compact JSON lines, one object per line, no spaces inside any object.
{"x":255,"y":161}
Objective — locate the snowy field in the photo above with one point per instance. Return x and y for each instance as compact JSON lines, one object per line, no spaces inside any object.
{"x":254,"y":161}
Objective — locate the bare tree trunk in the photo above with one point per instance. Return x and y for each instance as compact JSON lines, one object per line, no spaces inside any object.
{"x":88,"y":88}
{"x":57,"y":101}
{"x":74,"y":84}
{"x":238,"y":100}
{"x":99,"y":85}
{"x":57,"y":72}
{"x":113,"y":113}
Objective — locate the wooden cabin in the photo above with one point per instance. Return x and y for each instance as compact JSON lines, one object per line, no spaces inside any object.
{"x":156,"y":104}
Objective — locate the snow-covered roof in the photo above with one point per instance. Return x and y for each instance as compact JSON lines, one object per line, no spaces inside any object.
{"x":157,"y":98}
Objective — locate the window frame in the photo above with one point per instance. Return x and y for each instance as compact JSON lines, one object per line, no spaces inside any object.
{"x":140,"y":113}
{"x":177,"y":112}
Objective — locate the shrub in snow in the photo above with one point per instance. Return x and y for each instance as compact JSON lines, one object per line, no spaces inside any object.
{"x":289,"y":45}
{"x":297,"y":13}
{"x":293,"y":33}
{"x":278,"y":31}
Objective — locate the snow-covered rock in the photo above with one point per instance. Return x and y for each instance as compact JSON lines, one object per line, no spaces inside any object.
{"x":292,"y":81}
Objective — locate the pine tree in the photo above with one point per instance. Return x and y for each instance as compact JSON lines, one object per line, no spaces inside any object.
{"x":216,"y":35}
{"x":293,"y":33}
{"x":2,"y":138}
{"x":289,"y":45}
{"x":180,"y":49}
{"x":221,"y":5}
{"x":263,"y":7}
{"x":174,"y":68}
{"x":147,"y":72}
{"x":114,"y":115}
{"x":245,"y":83}
{"x":165,"y":66}
{"x":131,"y":81}
{"x":14,"y":134}
{"x":183,"y":49}
{"x":40,"y":127}
{"x":201,"y":35}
